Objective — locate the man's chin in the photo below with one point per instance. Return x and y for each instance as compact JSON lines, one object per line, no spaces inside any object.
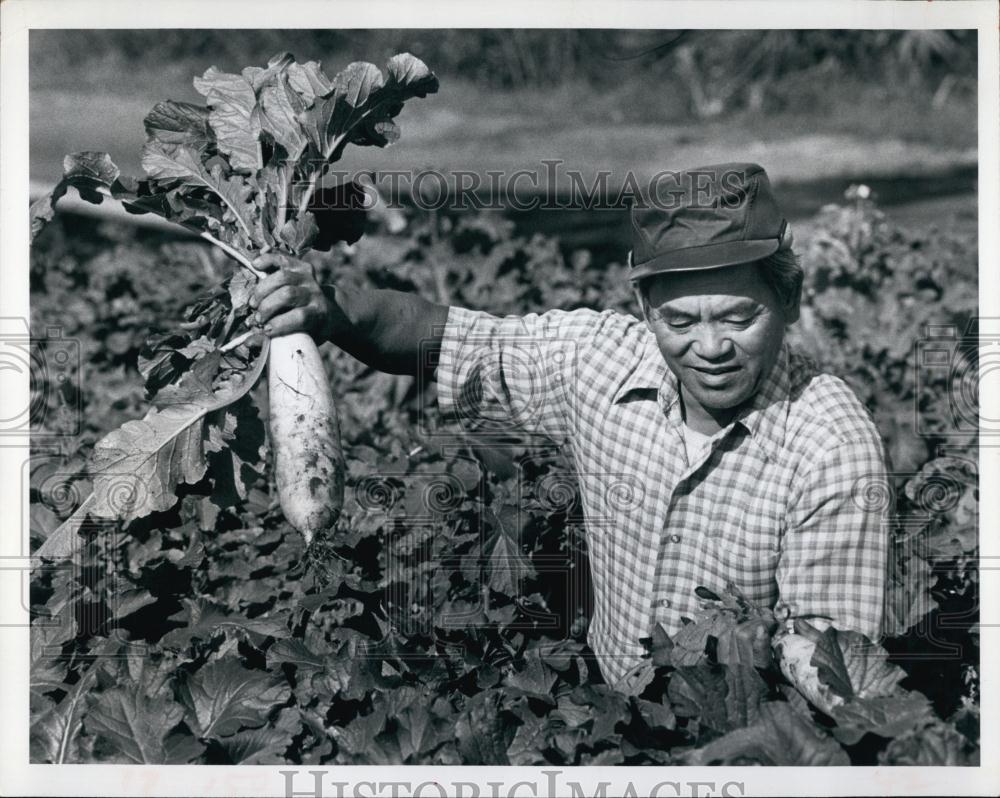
{"x":721,"y":399}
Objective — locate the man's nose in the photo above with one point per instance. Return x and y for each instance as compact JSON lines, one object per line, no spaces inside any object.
{"x":712,"y":343}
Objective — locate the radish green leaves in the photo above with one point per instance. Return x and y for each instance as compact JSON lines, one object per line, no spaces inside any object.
{"x":246,"y":168}
{"x":244,"y":172}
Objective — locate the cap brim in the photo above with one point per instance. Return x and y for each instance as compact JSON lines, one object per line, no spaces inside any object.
{"x":710,"y":256}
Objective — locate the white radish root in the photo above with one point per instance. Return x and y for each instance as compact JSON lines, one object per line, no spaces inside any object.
{"x":305,"y":435}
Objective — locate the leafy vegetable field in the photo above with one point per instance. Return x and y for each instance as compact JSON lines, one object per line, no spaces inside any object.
{"x":443,"y":620}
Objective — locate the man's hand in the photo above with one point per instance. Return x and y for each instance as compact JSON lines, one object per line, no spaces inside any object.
{"x":290,"y":299}
{"x":392,"y":331}
{"x":794,"y":651}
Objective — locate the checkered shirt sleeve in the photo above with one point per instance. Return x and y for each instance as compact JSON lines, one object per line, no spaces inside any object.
{"x":835,"y":546}
{"x":510,"y":374}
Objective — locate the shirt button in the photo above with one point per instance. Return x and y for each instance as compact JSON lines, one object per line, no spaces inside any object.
{"x":665,"y":603}
{"x":675,"y":538}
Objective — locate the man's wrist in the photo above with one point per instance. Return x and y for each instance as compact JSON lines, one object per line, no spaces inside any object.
{"x":344,"y":321}
{"x":327,"y":331}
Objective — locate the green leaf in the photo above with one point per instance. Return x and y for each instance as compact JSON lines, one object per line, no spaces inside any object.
{"x":561,"y":656}
{"x":533,"y":675}
{"x":299,"y":233}
{"x":747,"y":643}
{"x":318,"y":742}
{"x":358,"y":736}
{"x":273,"y":184}
{"x":182,"y":163}
{"x":570,"y":713}
{"x":54,"y":733}
{"x":935,"y":745}
{"x":423,"y":726}
{"x":505,"y":564}
{"x":309,"y":81}
{"x":480,"y":731}
{"x":722,"y":698}
{"x":410,"y":77}
{"x":363,"y":101}
{"x":195,"y":384}
{"x":655,"y":715}
{"x":407,"y":77}
{"x":264,"y":746}
{"x":235,"y":448}
{"x":295,"y":652}
{"x":237,"y":127}
{"x":91,"y":173}
{"x":133,"y":724}
{"x":691,"y":639}
{"x":852,"y":665}
{"x":136,"y":469}
{"x":746,"y":692}
{"x":279,"y":109}
{"x":178,"y":124}
{"x":608,"y":707}
{"x":131,"y":600}
{"x":48,"y":670}
{"x":276,"y":65}
{"x":203,"y":619}
{"x":779,"y":737}
{"x":796,"y":654}
{"x":661,"y":646}
{"x":705,"y":593}
{"x":224,"y":696}
{"x":154,"y":677}
{"x":530,"y":740}
{"x":240,"y":288}
{"x":175,"y":163}
{"x":182,"y":748}
{"x":177,"y":204}
{"x":354,"y":89}
{"x":886,"y":716}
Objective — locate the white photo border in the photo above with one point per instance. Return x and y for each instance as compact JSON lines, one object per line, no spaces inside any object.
{"x":18,"y":17}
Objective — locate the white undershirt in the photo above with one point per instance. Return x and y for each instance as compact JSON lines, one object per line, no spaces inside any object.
{"x":694,"y":441}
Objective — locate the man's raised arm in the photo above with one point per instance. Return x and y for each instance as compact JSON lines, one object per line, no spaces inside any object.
{"x":510,"y":374}
{"x":382,"y":328}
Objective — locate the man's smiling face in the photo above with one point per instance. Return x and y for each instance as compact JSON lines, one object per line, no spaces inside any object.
{"x":720,"y":331}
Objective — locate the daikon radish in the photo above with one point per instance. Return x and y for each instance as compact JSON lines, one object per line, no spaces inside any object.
{"x":305,"y":435}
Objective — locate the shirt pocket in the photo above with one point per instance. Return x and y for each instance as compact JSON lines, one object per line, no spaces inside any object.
{"x":752,"y":547}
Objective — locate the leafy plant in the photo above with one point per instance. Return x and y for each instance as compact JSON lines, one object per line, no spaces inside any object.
{"x":244,"y":172}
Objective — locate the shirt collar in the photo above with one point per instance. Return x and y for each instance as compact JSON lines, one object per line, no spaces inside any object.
{"x":648,"y":374}
{"x":764,"y":418}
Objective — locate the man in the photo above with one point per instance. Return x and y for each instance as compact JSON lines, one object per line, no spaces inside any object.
{"x":742,"y":461}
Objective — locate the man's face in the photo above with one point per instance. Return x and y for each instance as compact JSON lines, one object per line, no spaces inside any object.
{"x":719,"y":330}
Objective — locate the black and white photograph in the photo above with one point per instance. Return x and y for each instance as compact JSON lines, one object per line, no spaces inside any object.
{"x":586,"y":400}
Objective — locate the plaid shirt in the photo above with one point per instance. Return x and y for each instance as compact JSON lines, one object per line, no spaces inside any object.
{"x":775,"y":504}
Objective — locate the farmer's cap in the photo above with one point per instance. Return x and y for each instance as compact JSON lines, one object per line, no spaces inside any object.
{"x":705,"y":218}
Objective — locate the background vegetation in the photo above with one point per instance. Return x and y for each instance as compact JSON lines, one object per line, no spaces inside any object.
{"x":806,"y":104}
{"x":709,"y":72}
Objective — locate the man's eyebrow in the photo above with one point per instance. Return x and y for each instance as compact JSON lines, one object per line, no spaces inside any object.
{"x":740,"y":306}
{"x":667,"y":310}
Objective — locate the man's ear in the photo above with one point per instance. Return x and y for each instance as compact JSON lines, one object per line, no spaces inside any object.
{"x":639,"y":300}
{"x":791,"y":308}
